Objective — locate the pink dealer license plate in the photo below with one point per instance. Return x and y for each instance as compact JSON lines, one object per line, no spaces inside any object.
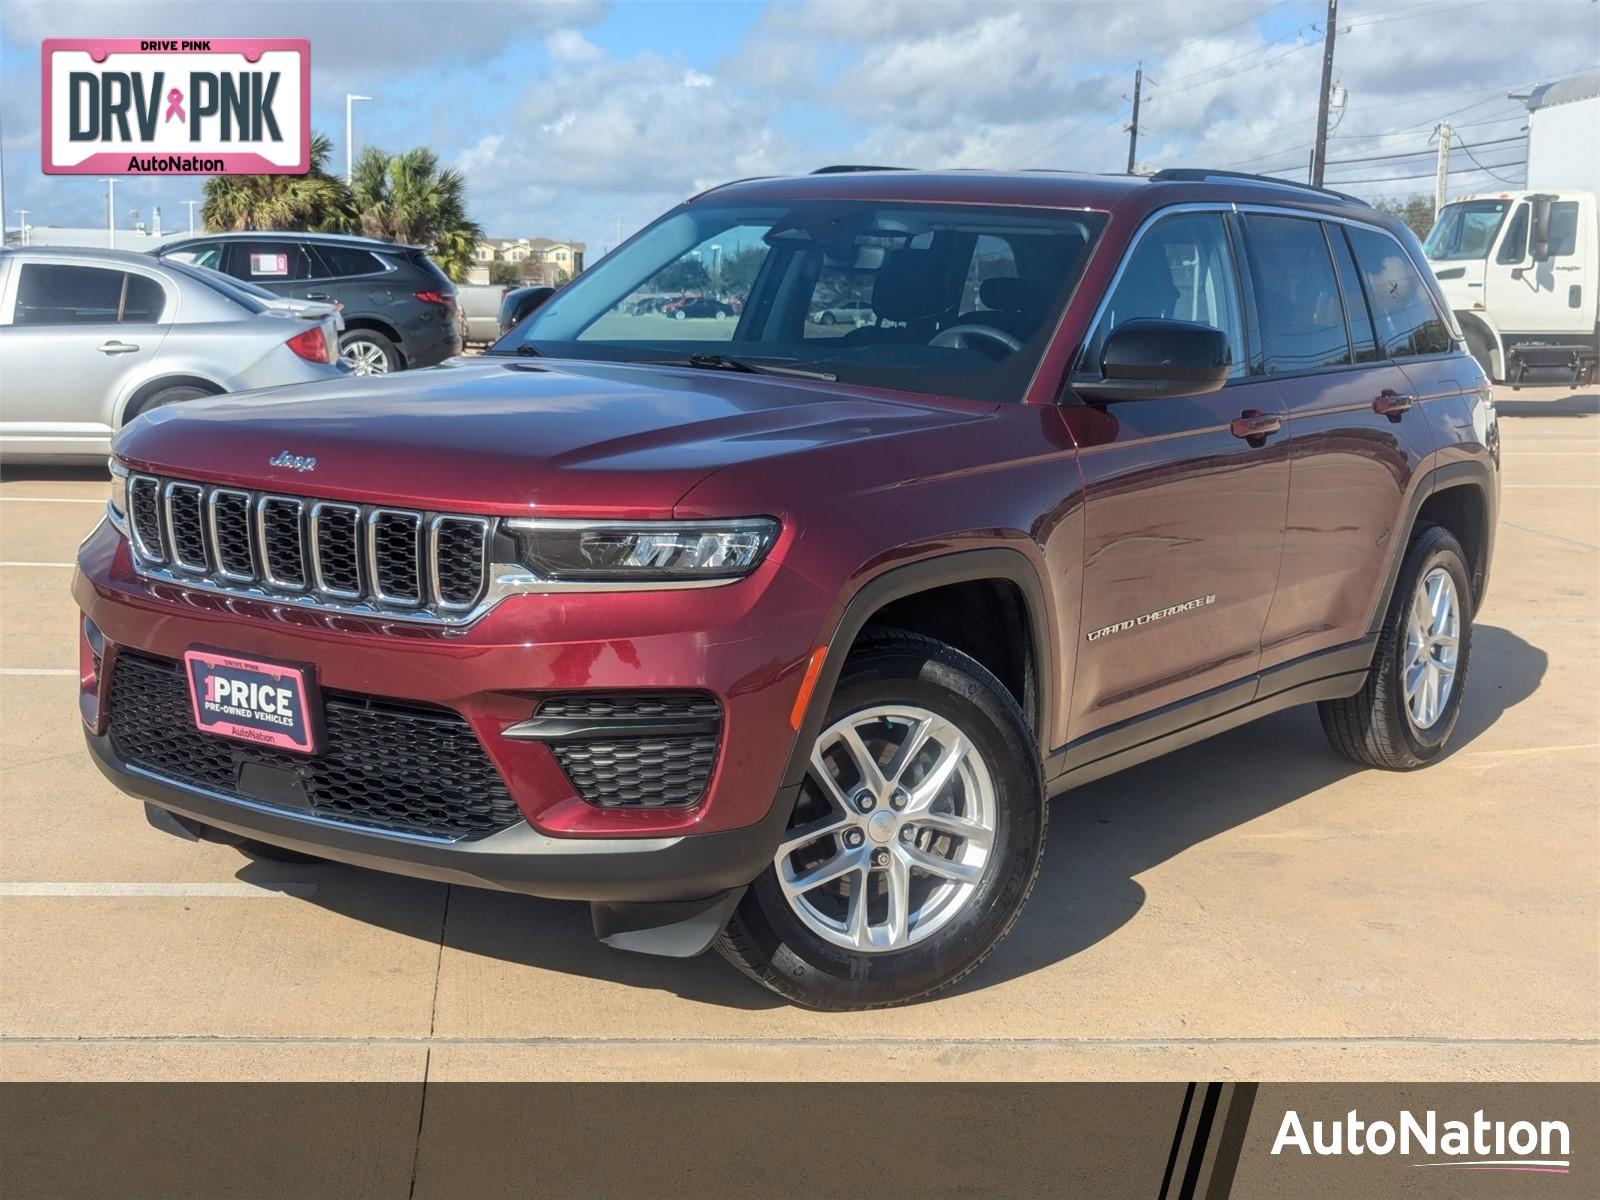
{"x":269,"y":704}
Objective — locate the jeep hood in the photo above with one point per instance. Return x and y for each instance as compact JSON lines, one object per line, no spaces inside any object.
{"x":498,"y":436}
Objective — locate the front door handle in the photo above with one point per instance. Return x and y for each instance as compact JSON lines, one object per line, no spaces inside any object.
{"x":1254,"y":426}
{"x":1392,"y":404}
{"x":116,"y":347}
{"x":318,"y":296}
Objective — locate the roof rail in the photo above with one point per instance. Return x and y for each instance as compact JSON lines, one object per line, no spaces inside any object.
{"x":850,"y":168}
{"x":1194,"y":174}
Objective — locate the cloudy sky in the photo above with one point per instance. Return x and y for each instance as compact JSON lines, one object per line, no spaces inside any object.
{"x":577,"y":118}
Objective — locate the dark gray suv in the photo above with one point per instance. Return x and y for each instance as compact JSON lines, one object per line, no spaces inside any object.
{"x":399,"y":308}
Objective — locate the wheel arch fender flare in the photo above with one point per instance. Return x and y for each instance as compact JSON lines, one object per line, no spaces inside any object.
{"x":962,"y":566}
{"x":1472,"y":473}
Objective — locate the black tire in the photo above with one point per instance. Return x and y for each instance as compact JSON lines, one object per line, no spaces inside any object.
{"x":273,"y":853}
{"x":1374,"y":726}
{"x":767,"y":941}
{"x":381,"y":344}
{"x":1478,"y":346}
{"x":827,"y":318}
{"x":169,"y":395}
{"x":679,"y":315}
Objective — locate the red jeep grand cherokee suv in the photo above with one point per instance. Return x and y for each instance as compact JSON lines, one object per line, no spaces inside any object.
{"x":778,"y":634}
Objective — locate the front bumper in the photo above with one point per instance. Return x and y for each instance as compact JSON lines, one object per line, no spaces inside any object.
{"x":520,"y":859}
{"x":747,"y":644}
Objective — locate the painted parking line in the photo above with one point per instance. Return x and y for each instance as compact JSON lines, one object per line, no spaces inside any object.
{"x":20,"y":563}
{"x":234,"y":890}
{"x":1554,"y":487}
{"x":38,"y":670}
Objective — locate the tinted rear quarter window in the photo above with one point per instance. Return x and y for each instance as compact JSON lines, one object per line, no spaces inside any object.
{"x":51,"y":294}
{"x":348,"y":260}
{"x":1297,"y":295}
{"x":1408,"y":323}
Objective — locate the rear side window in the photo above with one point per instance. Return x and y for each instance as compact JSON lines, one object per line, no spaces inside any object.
{"x":270,"y":262}
{"x":1407,"y":322}
{"x":347,"y":260}
{"x":1182,"y":270}
{"x":1297,"y":295}
{"x":1362,"y":336}
{"x":48,"y":294}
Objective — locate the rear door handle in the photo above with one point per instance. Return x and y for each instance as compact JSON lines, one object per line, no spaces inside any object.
{"x":318,"y":296}
{"x":1392,"y":404}
{"x":1254,"y":426}
{"x":116,"y":347}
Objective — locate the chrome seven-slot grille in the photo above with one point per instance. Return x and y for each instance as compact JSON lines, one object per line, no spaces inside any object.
{"x":328,"y":552}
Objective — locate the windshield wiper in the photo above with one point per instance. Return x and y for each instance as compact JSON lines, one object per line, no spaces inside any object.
{"x":525,"y":349}
{"x":723,"y":362}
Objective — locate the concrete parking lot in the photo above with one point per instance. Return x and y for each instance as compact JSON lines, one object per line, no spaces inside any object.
{"x":1252,"y":906}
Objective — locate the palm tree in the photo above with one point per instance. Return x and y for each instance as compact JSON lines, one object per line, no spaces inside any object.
{"x":314,"y":201}
{"x":408,"y":198}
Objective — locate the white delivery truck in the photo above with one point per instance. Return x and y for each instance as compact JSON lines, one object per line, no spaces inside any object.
{"x":1521,"y":269}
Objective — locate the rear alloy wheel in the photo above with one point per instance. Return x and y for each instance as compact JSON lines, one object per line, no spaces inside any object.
{"x":368,"y":353}
{"x":914,"y":844}
{"x":1407,"y":708}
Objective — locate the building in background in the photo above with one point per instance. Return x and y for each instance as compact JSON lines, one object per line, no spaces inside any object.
{"x":535,"y":260}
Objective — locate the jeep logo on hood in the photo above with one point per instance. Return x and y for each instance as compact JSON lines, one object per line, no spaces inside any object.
{"x":295,"y":462}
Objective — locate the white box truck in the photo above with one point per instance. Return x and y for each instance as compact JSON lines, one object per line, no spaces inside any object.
{"x":1521,"y":269}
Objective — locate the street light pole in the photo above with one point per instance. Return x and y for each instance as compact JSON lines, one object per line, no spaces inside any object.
{"x":350,"y":101}
{"x":22,"y":224}
{"x":191,"y":204}
{"x":111,"y":213}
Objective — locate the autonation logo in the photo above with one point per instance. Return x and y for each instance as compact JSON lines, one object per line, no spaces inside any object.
{"x":1476,"y":1145}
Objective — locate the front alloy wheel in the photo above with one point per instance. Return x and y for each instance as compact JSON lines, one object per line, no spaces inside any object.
{"x":902,"y":846}
{"x":915,"y":840}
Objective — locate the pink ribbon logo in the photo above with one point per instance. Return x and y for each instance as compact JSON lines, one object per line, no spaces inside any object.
{"x":175,"y":105}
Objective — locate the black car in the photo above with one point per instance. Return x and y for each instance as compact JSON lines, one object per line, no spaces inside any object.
{"x":399,"y":308}
{"x":517,"y":303}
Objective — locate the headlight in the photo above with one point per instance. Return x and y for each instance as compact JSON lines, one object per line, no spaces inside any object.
{"x":119,"y":493}
{"x":642,"y":551}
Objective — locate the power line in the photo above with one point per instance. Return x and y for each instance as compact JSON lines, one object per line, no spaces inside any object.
{"x":1237,"y":57}
{"x":1414,"y":153}
{"x":1267,"y":62}
{"x":1407,"y":14}
{"x":1467,"y":150}
{"x":1430,"y":174}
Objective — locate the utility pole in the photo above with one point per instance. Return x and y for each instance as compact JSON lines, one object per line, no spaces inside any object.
{"x":191,"y":204}
{"x":111,"y":212}
{"x":1320,"y":157}
{"x":1445,"y":133}
{"x":1133,"y":127}
{"x":22,"y":224}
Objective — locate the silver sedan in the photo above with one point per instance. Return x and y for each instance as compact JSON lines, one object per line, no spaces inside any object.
{"x":90,"y":339}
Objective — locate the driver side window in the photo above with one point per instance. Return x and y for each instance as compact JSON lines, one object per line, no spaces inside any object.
{"x":1181,"y":270}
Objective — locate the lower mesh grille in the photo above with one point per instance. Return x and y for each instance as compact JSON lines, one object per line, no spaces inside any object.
{"x":633,"y":768}
{"x":410,"y":770}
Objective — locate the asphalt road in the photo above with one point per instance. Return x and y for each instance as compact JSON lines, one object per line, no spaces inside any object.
{"x":1252,"y":906}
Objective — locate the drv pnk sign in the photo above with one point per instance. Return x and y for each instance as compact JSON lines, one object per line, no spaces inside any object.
{"x":169,"y":106}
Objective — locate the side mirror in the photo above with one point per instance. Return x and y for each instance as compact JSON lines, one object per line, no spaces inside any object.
{"x":1539,"y":228}
{"x":1150,"y":358}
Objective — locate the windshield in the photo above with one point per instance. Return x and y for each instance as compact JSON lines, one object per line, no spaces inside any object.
{"x":949,"y":299}
{"x":1465,"y":229}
